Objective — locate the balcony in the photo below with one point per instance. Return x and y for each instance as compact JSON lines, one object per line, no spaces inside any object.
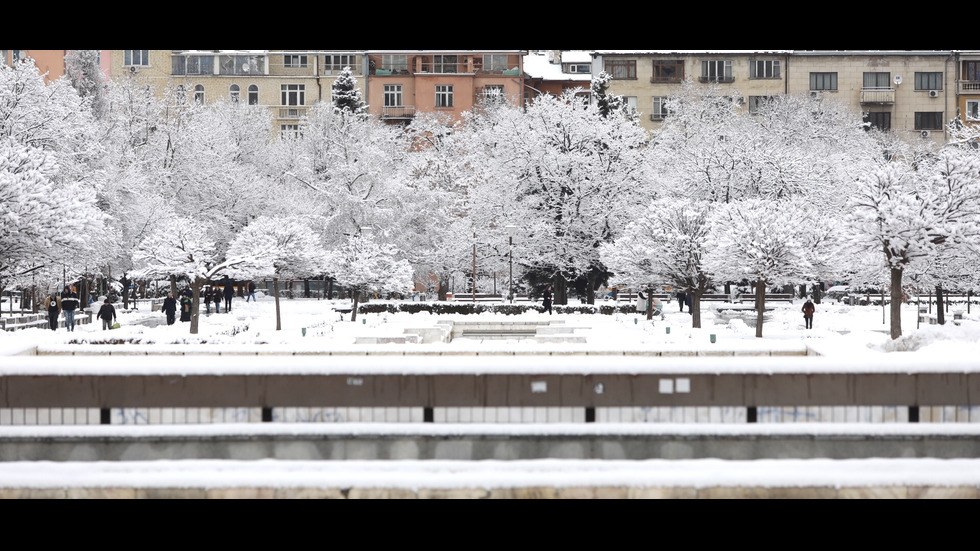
{"x":292,"y":113}
{"x":970,"y":86}
{"x":877,"y":95}
{"x":398,"y":112}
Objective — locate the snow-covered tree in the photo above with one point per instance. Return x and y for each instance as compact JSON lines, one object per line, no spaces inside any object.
{"x":183,"y":247}
{"x":346,"y":95}
{"x":84,"y":71}
{"x":276,"y":248}
{"x":664,"y":244}
{"x":362,"y":264}
{"x":764,"y":242}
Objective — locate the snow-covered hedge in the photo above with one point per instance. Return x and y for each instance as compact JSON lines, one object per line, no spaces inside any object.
{"x":447,"y":308}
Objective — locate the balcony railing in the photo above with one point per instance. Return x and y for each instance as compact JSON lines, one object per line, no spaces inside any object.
{"x":398,"y":112}
{"x":971,"y":86}
{"x":877,"y":95}
{"x":292,"y":112}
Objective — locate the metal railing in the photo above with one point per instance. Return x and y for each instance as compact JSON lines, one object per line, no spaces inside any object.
{"x":398,"y":112}
{"x":877,"y":95}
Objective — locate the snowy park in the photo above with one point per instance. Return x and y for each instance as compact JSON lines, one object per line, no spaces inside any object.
{"x":110,"y":192}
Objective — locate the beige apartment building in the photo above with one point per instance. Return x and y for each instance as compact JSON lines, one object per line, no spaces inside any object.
{"x":912,"y":93}
{"x":288,"y":82}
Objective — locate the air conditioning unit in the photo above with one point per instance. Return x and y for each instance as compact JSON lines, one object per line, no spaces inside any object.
{"x":933,"y":93}
{"x":134,"y":69}
{"x":925,"y":133}
{"x":814,"y":94}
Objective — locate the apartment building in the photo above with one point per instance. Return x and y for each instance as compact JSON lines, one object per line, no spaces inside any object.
{"x":288,"y":82}
{"x":402,"y":83}
{"x":911,"y":93}
{"x":556,"y":71}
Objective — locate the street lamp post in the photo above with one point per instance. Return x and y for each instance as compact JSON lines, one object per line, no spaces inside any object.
{"x":511,"y":229}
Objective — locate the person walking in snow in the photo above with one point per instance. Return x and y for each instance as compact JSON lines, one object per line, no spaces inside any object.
{"x":216,"y":297}
{"x":546,"y":298}
{"x":808,"y":309}
{"x":53,"y":305}
{"x":229,"y":292}
{"x":170,"y":308}
{"x":206,"y":297}
{"x":107,"y":313}
{"x":185,"y":306}
{"x":251,"y":292}
{"x":681,"y":299}
{"x":69,"y":302}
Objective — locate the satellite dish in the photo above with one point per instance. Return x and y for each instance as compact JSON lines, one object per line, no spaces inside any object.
{"x":245,"y":67}
{"x":898,"y":79}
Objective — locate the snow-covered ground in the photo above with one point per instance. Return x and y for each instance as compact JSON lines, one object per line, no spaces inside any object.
{"x":840,"y":331}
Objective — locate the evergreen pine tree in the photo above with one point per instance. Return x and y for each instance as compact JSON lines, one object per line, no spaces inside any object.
{"x":346,"y":96}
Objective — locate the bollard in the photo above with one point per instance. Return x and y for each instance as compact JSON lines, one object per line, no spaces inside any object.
{"x":634,"y":321}
{"x":364,"y":321}
{"x":304,"y":331}
{"x":668,"y":330}
{"x":712,"y":337}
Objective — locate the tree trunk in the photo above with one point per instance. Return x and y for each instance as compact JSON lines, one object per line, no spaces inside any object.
{"x":275,"y":289}
{"x":695,"y":307}
{"x":353,"y":311}
{"x":173,"y":284}
{"x":649,"y":303}
{"x":760,"y":306}
{"x":195,"y":299}
{"x":592,"y":286}
{"x":125,"y":291}
{"x":896,"y":305}
{"x":561,"y":290}
{"x":940,"y":311}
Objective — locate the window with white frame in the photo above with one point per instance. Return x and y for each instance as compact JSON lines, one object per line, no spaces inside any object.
{"x":494,"y":63}
{"x":659,"y":111}
{"x":295,"y":61}
{"x":764,"y":68}
{"x":289,"y":131}
{"x":755,"y":102}
{"x":620,"y":68}
{"x":253,"y":94}
{"x":493,"y":93}
{"x":716,"y":70}
{"x":180,"y":94}
{"x":199,"y":94}
{"x":973,"y":110}
{"x":136,"y":57}
{"x":876,"y":80}
{"x":234,"y":93}
{"x":192,"y":65}
{"x":293,"y":94}
{"x":393,"y":95}
{"x":444,"y":95}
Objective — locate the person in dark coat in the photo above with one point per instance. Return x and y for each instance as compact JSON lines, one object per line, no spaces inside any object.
{"x":69,"y":303}
{"x":546,"y":298}
{"x":229,"y":292}
{"x":681,"y":299}
{"x":185,"y":306}
{"x":216,"y":297}
{"x":170,"y":308}
{"x":808,"y":309}
{"x":206,"y":297}
{"x":251,"y":291}
{"x":53,"y":305}
{"x":107,"y":313}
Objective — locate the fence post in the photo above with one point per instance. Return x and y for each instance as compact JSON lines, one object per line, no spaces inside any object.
{"x":590,"y":414}
{"x":428,"y":415}
{"x":913,"y":414}
{"x":752,"y":414}
{"x":266,"y":415}
{"x":105,"y":416}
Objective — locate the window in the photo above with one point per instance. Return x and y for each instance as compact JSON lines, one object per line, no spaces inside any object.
{"x":971,"y":70}
{"x":973,"y":110}
{"x":444,"y":64}
{"x":764,"y":68}
{"x":241,"y":65}
{"x":928,"y":81}
{"x":294,"y":61}
{"x":293,"y":94}
{"x":394,"y":63}
{"x":925,"y":120}
{"x":659,"y":108}
{"x":579,"y":68}
{"x":180,"y":95}
{"x":253,"y":94}
{"x":444,"y":95}
{"x":621,"y":68}
{"x":881,"y":121}
{"x":823,"y":81}
{"x":234,"y":93}
{"x":668,"y":70}
{"x":493,"y":93}
{"x":199,"y":94}
{"x":136,"y":57}
{"x":755,"y":102}
{"x":495,"y":63}
{"x":289,"y":131}
{"x":192,"y":65}
{"x":716,"y":70}
{"x":339,"y":62}
{"x":877,"y":81}
{"x":393,"y":95}
{"x":630,"y":102}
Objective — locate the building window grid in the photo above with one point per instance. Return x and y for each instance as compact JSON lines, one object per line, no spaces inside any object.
{"x":764,"y":68}
{"x":393,"y":95}
{"x":444,"y":96}
{"x":253,"y":94}
{"x":295,"y":61}
{"x":339,"y":62}
{"x":293,"y":94}
{"x":199,"y":94}
{"x":234,"y":93}
{"x":716,"y":70}
{"x":668,"y":70}
{"x":445,"y":64}
{"x":973,"y":110}
{"x":494,"y":63}
{"x":621,"y":69}
{"x":755,"y":102}
{"x":823,"y":81}
{"x":876,"y":81}
{"x":879,"y":120}
{"x":394,"y":62}
{"x":140,"y":58}
{"x":928,"y":81}
{"x":928,"y":120}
